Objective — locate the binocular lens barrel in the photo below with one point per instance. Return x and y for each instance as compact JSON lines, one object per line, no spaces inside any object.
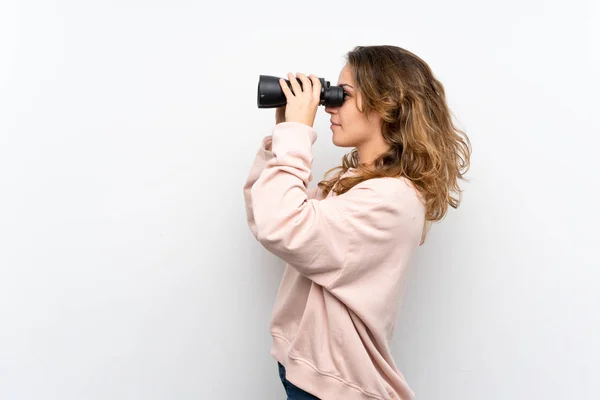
{"x":270,"y":94}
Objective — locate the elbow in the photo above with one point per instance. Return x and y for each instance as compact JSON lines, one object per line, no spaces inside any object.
{"x":282,"y":232}
{"x":268,"y":235}
{"x":277,"y":237}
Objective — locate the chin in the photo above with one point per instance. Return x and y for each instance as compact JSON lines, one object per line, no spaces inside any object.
{"x":340,"y":143}
{"x":338,"y":139}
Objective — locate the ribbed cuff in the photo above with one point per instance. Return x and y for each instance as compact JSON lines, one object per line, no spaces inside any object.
{"x":293,"y":136}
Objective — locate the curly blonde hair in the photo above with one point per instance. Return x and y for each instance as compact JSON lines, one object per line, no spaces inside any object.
{"x":424,"y":144}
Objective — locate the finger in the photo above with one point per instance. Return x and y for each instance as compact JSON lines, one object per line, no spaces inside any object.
{"x":306,"y":85}
{"x":295,"y":84}
{"x":316,"y":92}
{"x":286,"y":89}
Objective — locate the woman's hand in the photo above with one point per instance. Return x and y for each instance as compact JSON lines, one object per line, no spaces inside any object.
{"x":280,"y":115}
{"x":302,"y":103}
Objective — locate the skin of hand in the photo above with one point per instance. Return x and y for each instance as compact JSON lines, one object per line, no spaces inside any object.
{"x":302,"y":102}
{"x":280,"y":115}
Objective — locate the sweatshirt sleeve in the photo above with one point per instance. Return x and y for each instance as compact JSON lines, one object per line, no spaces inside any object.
{"x":320,"y":238}
{"x":263,"y":156}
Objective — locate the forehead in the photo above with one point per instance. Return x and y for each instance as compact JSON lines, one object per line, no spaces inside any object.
{"x":345,"y":76}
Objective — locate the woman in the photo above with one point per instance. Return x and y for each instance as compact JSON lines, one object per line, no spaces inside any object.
{"x":349,"y":241}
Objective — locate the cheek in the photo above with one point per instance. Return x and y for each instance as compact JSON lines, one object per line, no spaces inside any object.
{"x":350,"y":121}
{"x":343,"y":115}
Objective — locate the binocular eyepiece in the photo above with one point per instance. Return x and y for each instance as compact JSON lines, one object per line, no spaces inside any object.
{"x":270,"y":94}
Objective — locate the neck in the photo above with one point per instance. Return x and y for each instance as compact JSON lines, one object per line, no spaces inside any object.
{"x":368,"y":153}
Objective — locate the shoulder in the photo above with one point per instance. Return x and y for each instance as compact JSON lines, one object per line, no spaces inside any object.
{"x":380,"y":206}
{"x":395,"y":187}
{"x":389,"y":194}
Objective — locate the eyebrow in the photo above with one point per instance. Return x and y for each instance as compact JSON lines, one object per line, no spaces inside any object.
{"x":345,"y":84}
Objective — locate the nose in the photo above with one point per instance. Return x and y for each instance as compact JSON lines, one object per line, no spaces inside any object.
{"x":331,"y":110}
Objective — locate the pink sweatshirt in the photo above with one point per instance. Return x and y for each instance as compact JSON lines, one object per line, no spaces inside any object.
{"x":347,"y":258}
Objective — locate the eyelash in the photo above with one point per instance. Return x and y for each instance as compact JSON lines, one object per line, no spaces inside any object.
{"x":346,"y":94}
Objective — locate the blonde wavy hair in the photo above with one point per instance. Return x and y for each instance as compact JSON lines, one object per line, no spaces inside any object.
{"x":424,"y":144}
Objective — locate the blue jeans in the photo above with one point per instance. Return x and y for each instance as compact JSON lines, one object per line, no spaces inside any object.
{"x":293,"y":392}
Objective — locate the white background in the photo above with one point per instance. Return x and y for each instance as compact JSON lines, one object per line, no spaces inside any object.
{"x":127,"y":129}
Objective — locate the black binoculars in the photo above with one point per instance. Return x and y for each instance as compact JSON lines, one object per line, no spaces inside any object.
{"x":270,"y":94}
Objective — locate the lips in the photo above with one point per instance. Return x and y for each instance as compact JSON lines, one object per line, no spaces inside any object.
{"x":333,"y":123}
